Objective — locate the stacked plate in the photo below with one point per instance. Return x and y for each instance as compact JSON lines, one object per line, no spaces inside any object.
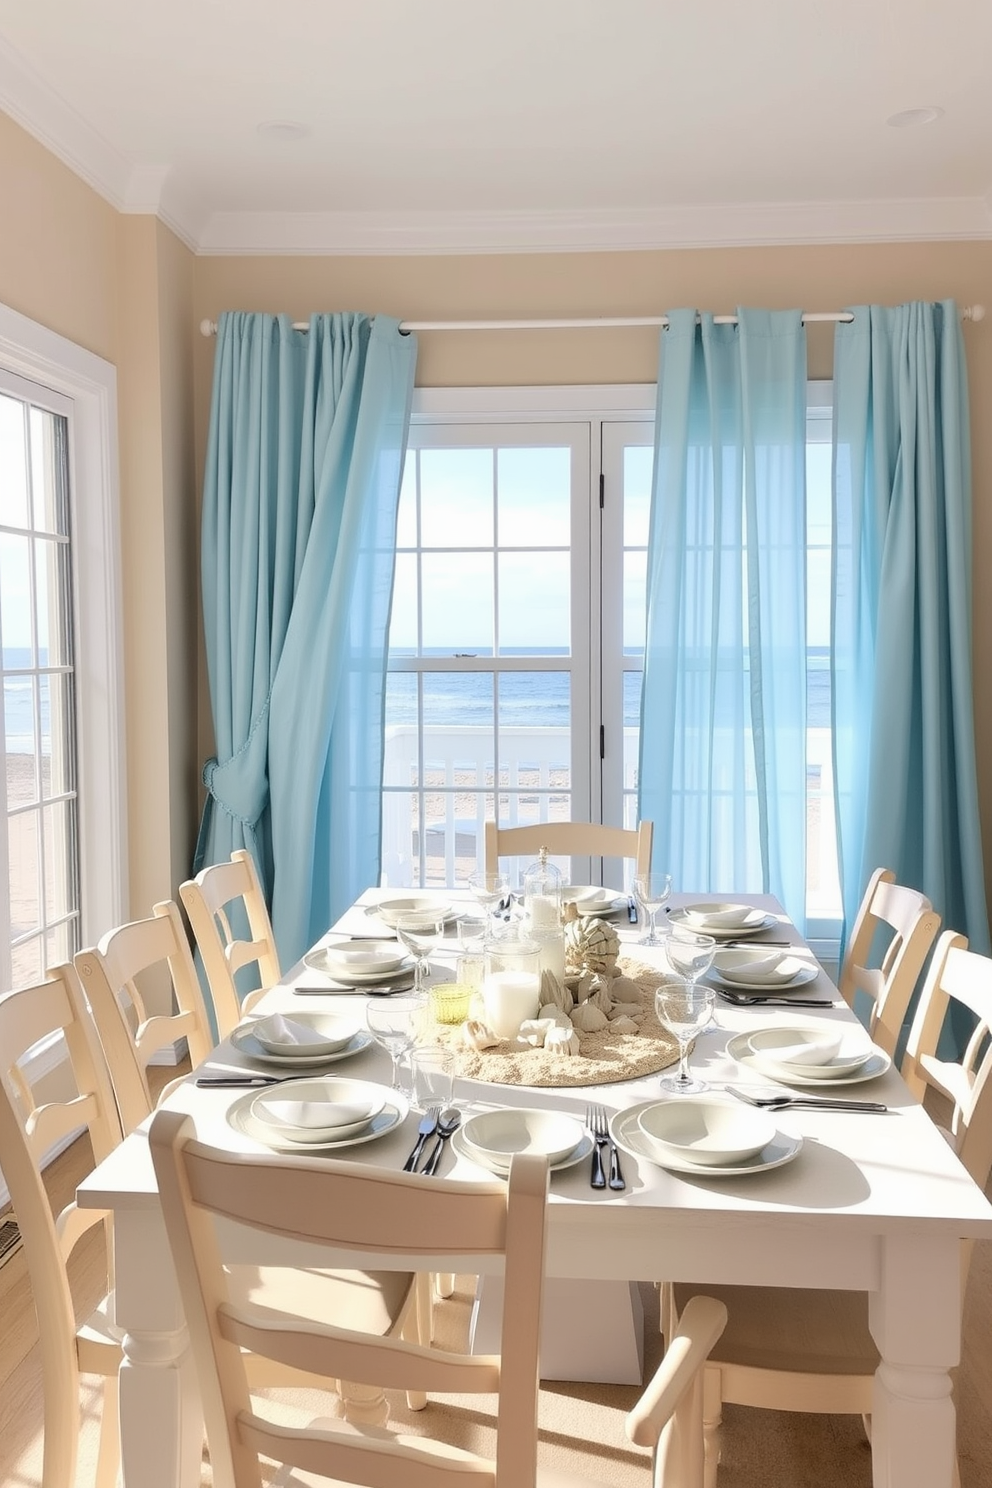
{"x":430,"y":905}
{"x":806,"y":1055}
{"x":359,"y":963}
{"x":302,"y":1040}
{"x":491,"y":1138}
{"x":590,"y":899}
{"x":705,"y":1137}
{"x":762,"y":970}
{"x":723,"y":920}
{"x":318,"y":1115}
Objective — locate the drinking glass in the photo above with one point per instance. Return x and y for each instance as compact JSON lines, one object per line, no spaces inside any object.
{"x":394,"y":1023}
{"x":684,"y":1008}
{"x":419,"y":931}
{"x":489,"y":890}
{"x":651,"y":891}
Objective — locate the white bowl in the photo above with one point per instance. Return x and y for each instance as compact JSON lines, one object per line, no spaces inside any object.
{"x":319,"y":1110}
{"x":389,"y":910}
{"x":500,"y":1134}
{"x":812,"y":1053}
{"x":366,"y":957}
{"x":586,"y":896}
{"x":707,"y":1132}
{"x":746,"y":967}
{"x":723,"y":916}
{"x":303,"y":1034}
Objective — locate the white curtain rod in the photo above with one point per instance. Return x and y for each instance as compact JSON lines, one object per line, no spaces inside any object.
{"x":209,"y":327}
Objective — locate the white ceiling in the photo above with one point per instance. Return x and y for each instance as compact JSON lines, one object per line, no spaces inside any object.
{"x":514,"y":125}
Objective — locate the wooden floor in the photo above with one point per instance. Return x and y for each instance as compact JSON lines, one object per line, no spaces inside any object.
{"x":762,"y":1449}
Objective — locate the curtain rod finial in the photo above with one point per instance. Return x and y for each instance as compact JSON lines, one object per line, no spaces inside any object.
{"x":207,"y":328}
{"x":975,"y":312}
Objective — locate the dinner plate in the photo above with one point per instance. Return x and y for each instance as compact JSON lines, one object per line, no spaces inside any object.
{"x":721,"y":914}
{"x":876,"y":1064}
{"x":247,"y":1044}
{"x":626,"y":1132}
{"x":803,"y":975}
{"x":611,"y":906}
{"x":477,"y":1156}
{"x":389,"y":910}
{"x":356,"y":957}
{"x":718,"y":932}
{"x":239,"y":1117}
{"x":401,"y":966}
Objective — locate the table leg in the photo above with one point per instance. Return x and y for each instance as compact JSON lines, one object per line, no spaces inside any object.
{"x":160,"y":1413}
{"x":915,"y":1319}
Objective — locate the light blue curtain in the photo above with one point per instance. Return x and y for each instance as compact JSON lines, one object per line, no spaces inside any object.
{"x":723,"y":715}
{"x":907,"y":795}
{"x":307,"y":436}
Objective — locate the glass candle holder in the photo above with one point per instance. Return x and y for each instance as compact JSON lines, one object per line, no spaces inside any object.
{"x":511,"y":985}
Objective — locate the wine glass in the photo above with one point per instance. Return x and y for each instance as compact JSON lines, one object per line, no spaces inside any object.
{"x":394,"y":1023}
{"x":684,"y":1007}
{"x":652,"y":890}
{"x":419,"y":930}
{"x":489,"y":890}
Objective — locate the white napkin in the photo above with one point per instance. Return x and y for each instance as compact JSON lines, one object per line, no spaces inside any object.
{"x":275,"y":1029}
{"x":316,"y":1113}
{"x":723,"y":919}
{"x":803,"y":1051}
{"x":777,"y":967}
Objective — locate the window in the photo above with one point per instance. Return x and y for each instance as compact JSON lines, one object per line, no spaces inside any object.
{"x":38,"y":699}
{"x":517,"y":635}
{"x":62,"y":838}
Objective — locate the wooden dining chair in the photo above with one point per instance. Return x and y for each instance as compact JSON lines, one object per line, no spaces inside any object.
{"x":570,"y":839}
{"x":32,"y":1124}
{"x":803,"y":1350}
{"x":219,"y":901}
{"x":117,"y":976}
{"x":306,"y":1201}
{"x":910,"y":921}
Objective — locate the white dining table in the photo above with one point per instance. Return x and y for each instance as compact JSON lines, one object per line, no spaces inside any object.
{"x":877,"y":1203}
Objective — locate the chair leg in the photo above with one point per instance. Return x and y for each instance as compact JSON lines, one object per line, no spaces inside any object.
{"x":444,"y":1281}
{"x":712,"y":1420}
{"x":109,"y":1453}
{"x":363,"y":1405}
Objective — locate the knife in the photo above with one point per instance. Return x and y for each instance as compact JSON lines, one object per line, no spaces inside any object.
{"x":247,"y":1081}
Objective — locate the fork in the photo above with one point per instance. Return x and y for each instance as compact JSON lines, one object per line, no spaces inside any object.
{"x":773,"y":1101}
{"x":600,"y":1133}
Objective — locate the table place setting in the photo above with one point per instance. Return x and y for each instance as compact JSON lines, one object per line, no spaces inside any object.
{"x":726,"y":922}
{"x":302,"y":1041}
{"x":795,"y":1054}
{"x":706,"y":1137}
{"x":318,"y":1115}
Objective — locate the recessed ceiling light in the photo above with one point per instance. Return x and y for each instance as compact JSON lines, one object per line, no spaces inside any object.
{"x":283,"y":129}
{"x":909,"y":118}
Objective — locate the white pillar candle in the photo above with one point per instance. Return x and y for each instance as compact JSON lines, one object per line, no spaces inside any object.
{"x":509,"y":998}
{"x":542,"y":910}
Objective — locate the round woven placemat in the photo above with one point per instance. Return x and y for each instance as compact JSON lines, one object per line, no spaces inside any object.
{"x":604,"y":1057}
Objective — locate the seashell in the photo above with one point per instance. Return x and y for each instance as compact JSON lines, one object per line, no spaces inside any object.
{"x":601,"y":998}
{"x":555,"y":1014}
{"x":569,"y":913}
{"x":589,"y":1019}
{"x":585,"y":987}
{"x":624,"y":989}
{"x":555,"y":993}
{"x":562,"y":1043}
{"x":476,"y":1035}
{"x":624,"y":1010}
{"x":534,"y":1031}
{"x":594,"y":945}
{"x":623,"y":1024}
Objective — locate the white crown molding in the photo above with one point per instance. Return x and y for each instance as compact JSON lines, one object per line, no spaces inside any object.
{"x":703,"y":226}
{"x":154,"y":190}
{"x":30,"y":102}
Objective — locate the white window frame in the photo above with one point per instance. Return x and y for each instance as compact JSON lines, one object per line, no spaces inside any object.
{"x":54,"y":364}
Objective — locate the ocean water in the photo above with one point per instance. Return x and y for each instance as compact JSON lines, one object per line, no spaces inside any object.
{"x":18,"y":702}
{"x":537,"y":699}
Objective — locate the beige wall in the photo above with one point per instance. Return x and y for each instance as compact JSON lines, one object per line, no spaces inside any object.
{"x":125,"y":288}
{"x":122,"y":287}
{"x":579,"y":285}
